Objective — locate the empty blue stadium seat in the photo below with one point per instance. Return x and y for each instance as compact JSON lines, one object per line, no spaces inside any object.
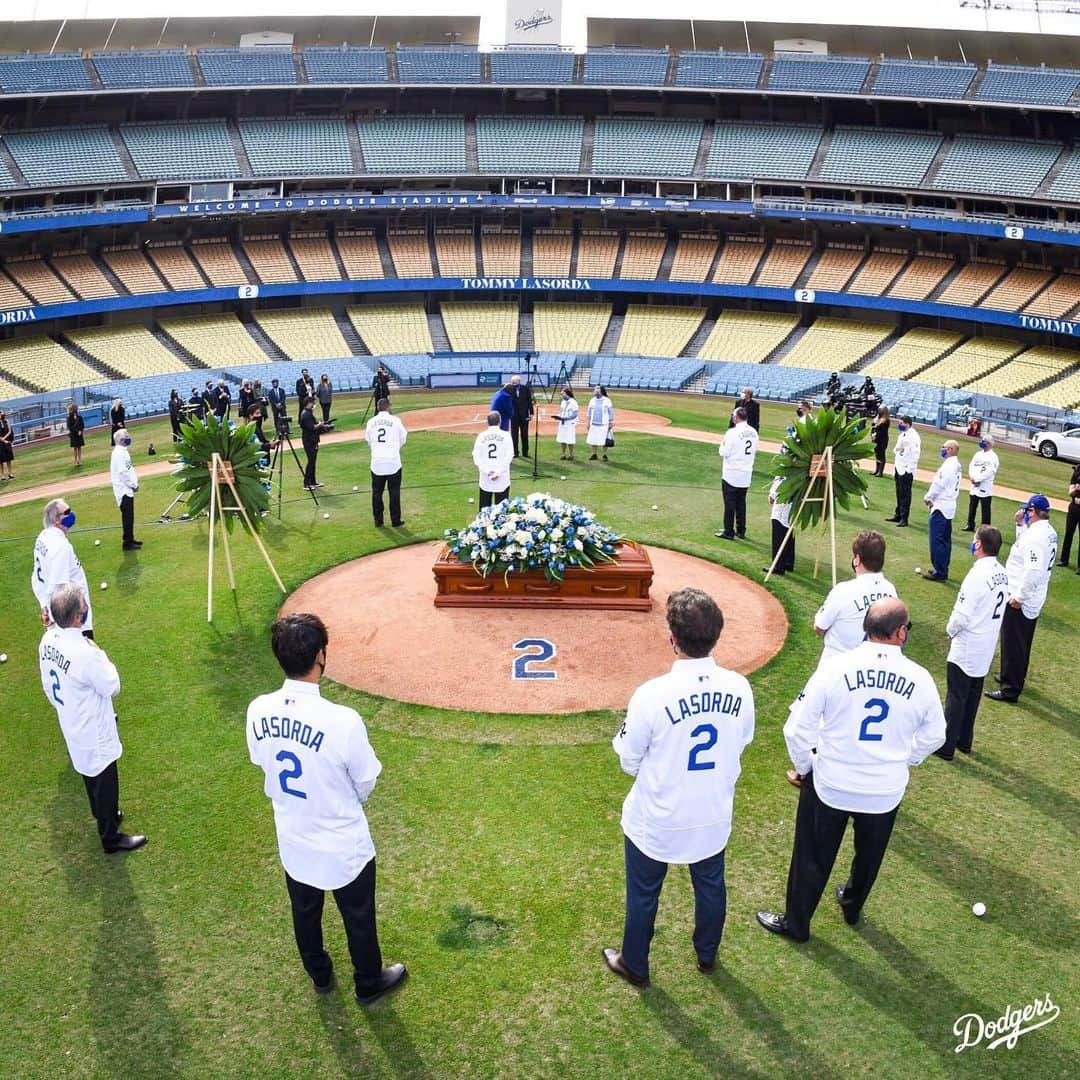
{"x":880,"y":156}
{"x":645,"y":147}
{"x":1066,"y":184}
{"x":144,"y":67}
{"x":723,"y":70}
{"x":6,"y":179}
{"x":827,"y":74}
{"x":35,"y":72}
{"x":614,"y":66}
{"x":545,"y":145}
{"x":400,"y":145}
{"x":438,"y":64}
{"x":1035,"y":86}
{"x":996,"y":166}
{"x":80,"y":155}
{"x":264,"y":66}
{"x":523,"y":67}
{"x":923,"y":79}
{"x":762,"y":150}
{"x":297,"y":146}
{"x":345,"y":64}
{"x":182,"y":150}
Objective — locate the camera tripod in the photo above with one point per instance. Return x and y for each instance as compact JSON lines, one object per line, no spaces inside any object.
{"x":277,"y":465}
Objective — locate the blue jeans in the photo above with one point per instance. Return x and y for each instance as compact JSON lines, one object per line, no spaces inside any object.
{"x":645,"y":879}
{"x":940,"y":543}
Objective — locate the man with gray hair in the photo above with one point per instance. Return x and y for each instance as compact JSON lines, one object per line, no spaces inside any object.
{"x":869,"y":714}
{"x":125,"y":483}
{"x":492,"y":454}
{"x":80,"y":681}
{"x":55,"y":561}
{"x":982,"y":469}
{"x":941,"y":502}
{"x":750,"y":407}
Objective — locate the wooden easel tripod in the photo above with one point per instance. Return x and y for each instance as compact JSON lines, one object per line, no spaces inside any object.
{"x":821,"y":467}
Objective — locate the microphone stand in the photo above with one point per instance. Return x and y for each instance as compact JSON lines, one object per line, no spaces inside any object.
{"x":536,"y":423}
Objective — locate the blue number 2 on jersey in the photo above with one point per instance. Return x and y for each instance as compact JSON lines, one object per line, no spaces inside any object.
{"x":290,"y":774}
{"x":692,"y":764}
{"x":882,"y":707}
{"x":56,"y":687}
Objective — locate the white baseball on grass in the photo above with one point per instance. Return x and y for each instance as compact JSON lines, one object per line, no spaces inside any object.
{"x":104,"y":584}
{"x":471,"y":500}
{"x":562,"y":477}
{"x":918,"y":569}
{"x":356,"y":487}
{"x":655,"y":507}
{"x":326,"y":517}
{"x":97,"y":543}
{"x":978,"y":909}
{"x":3,"y":657}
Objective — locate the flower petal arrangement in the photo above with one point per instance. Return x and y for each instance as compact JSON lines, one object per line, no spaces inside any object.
{"x":810,"y":436}
{"x":236,"y":443}
{"x":533,"y":532}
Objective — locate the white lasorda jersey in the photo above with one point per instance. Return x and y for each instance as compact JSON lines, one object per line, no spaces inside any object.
{"x":982,"y":469}
{"x":975,"y":621}
{"x":80,"y":680}
{"x":906,"y":452}
{"x":125,"y":480}
{"x":320,"y":769}
{"x":56,"y":564}
{"x":385,"y":436}
{"x":738,"y":450}
{"x":871,"y":713}
{"x":681,"y":740}
{"x":842,"y":614}
{"x":1030,"y":564}
{"x":778,"y":511}
{"x":945,"y":488}
{"x":492,"y":453}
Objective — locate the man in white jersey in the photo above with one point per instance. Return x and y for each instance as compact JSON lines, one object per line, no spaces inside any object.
{"x":1029,"y":566}
{"x":320,"y":770}
{"x":55,"y":561}
{"x":839,"y":620}
{"x":982,"y":469}
{"x":80,"y":682}
{"x":973,"y":626}
{"x":738,"y":450}
{"x":386,"y":436}
{"x":681,"y":741}
{"x":906,"y":454}
{"x":493,"y":451}
{"x":941,"y":502}
{"x":870,"y":714}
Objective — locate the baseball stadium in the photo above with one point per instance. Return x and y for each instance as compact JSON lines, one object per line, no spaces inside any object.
{"x":647,"y":233}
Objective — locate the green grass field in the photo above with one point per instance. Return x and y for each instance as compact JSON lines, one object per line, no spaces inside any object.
{"x":500,"y":858}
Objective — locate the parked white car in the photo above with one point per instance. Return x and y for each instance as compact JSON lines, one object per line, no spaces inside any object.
{"x":1057,"y":444}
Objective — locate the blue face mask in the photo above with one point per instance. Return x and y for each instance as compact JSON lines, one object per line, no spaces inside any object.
{"x":972,"y":547}
{"x":983,"y":444}
{"x":68,"y":520}
{"x":901,"y":427}
{"x":1027,"y":516}
{"x":944,"y":452}
{"x":82,"y":617}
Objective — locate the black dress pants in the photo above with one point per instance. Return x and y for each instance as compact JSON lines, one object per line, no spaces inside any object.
{"x":519,"y":432}
{"x":787,"y":559}
{"x":962,"y":696}
{"x":103,"y":791}
{"x":982,"y":503}
{"x":819,"y":829}
{"x":490,"y":498}
{"x":734,"y":509}
{"x":903,"y":495}
{"x":1072,"y":523}
{"x":127,"y":517}
{"x":1017,"y":634}
{"x":310,"y":454}
{"x":356,"y":902}
{"x":378,"y":485}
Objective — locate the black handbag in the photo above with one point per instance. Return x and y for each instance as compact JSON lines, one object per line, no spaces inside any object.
{"x":610,"y":440}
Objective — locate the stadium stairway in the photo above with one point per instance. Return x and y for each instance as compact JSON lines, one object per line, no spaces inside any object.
{"x":664,"y":273}
{"x":944,"y":283}
{"x":355,"y":150}
{"x":616,"y":271}
{"x":573,"y":258}
{"x":384,"y":257}
{"x":478,"y":253}
{"x":704,"y":149}
{"x":245,"y":263}
{"x":13,"y":169}
{"x":939,"y":158}
{"x":241,"y":151}
{"x":439,"y":337}
{"x":526,"y":337}
{"x":526,"y":254}
{"x":193,"y":63}
{"x":874,"y":353}
{"x":122,"y":150}
{"x":814,"y":172}
{"x":609,"y":344}
{"x":337,"y":258}
{"x":348,"y":332}
{"x":973,"y":89}
{"x":177,"y":349}
{"x":698,"y":338}
{"x":588,"y":139}
{"x":808,"y":269}
{"x":697,"y":384}
{"x":89,"y":359}
{"x":263,"y":340}
{"x":785,"y":346}
{"x":1043,"y":189}
{"x":472,"y":152}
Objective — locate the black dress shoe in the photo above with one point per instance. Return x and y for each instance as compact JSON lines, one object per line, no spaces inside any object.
{"x":850,"y":917}
{"x":999,"y":695}
{"x":776,"y":572}
{"x":939,"y":752}
{"x":123,"y":842}
{"x":964,"y":749}
{"x":724,"y":536}
{"x":705,"y":966}
{"x":397,"y":524}
{"x":894,"y":519}
{"x":131,"y":545}
{"x":935,"y":577}
{"x":775,"y":923}
{"x":613,"y":959}
{"x":968,"y":528}
{"x":901,"y":525}
{"x":390,"y":979}
{"x":325,"y":987}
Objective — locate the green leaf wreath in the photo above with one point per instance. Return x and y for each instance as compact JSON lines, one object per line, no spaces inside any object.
{"x":236,"y":443}
{"x":809,"y":436}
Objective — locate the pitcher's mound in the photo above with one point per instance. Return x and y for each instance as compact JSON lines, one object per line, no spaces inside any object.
{"x":388,"y":638}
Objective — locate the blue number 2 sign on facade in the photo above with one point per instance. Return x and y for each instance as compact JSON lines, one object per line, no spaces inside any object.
{"x":533,"y":650}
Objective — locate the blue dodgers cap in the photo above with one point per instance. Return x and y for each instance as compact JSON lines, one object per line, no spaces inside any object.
{"x":1037,"y":502}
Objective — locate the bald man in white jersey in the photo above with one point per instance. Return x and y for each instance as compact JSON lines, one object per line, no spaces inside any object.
{"x":320,"y":770}
{"x":869,"y":714}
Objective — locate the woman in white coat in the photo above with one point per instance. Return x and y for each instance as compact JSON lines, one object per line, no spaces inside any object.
{"x":601,"y":415}
{"x":566,"y":433}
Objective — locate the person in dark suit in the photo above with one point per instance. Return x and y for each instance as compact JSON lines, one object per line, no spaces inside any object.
{"x":521,"y":396}
{"x":197,"y":403}
{"x":753,"y":409}
{"x":209,"y":397}
{"x":276,"y":398}
{"x":76,"y":425}
{"x":224,"y":399}
{"x":247,"y":396}
{"x":1072,"y":520}
{"x":380,"y":384}
{"x":305,"y":388}
{"x":879,"y":431}
{"x":176,"y":404}
{"x":503,"y":404}
{"x":117,"y":417}
{"x":311,"y":432}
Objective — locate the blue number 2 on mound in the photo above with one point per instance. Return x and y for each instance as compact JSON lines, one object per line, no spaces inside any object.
{"x":290,"y":774}
{"x":541,"y":651}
